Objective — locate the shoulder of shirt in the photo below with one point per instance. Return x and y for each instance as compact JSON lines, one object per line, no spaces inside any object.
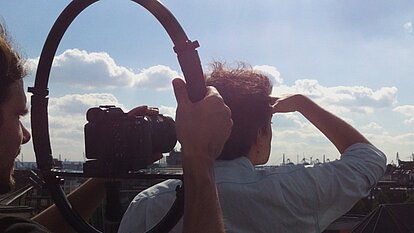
{"x":233,"y":171}
{"x":365,"y":152}
{"x":163,"y":188}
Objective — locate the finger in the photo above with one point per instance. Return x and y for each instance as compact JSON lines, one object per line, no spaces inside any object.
{"x":275,"y":110}
{"x":180,"y":91}
{"x":281,"y":107}
{"x":273,"y":100}
{"x":212,"y":91}
{"x":213,"y":96}
{"x":143,"y":110}
{"x":276,"y":107}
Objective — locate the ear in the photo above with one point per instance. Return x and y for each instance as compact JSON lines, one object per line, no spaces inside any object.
{"x":259,"y":135}
{"x":260,"y":132}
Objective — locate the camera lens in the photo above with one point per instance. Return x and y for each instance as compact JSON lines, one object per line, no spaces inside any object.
{"x":163,"y":133}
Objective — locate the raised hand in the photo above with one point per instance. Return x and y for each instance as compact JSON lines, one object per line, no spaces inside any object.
{"x":205,"y":124}
{"x":202,"y":129}
{"x":289,"y":103}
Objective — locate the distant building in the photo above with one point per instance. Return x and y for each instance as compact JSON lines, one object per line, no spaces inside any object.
{"x":404,"y":173}
{"x":174,"y":159}
{"x":18,"y":165}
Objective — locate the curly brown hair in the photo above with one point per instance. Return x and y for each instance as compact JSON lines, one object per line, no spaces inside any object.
{"x":11,"y":66}
{"x":246,"y":92}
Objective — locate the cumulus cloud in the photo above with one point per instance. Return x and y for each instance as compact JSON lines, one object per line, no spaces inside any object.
{"x":372,"y":126}
{"x":361,"y":99}
{"x":287,"y":120}
{"x":271,"y":72}
{"x":342,"y":98}
{"x":408,"y":111}
{"x":295,"y":136}
{"x":31,"y":66}
{"x":391,"y":143}
{"x":157,"y":77}
{"x":67,"y":117}
{"x":78,"y":104}
{"x":297,"y":143}
{"x":408,"y":27}
{"x":86,"y":70}
{"x":338,"y":98}
{"x":168,"y":111}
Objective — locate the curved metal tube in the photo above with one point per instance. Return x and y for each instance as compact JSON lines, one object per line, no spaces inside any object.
{"x":188,"y":59}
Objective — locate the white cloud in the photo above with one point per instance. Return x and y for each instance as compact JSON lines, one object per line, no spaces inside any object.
{"x":342,"y":98}
{"x":406,"y":110}
{"x":308,"y":141}
{"x":85,"y":70}
{"x":76,"y":104}
{"x":271,"y":72}
{"x":390,"y":144}
{"x":158,"y":77}
{"x":287,"y":120}
{"x":295,"y":136}
{"x":167,"y":111}
{"x":31,"y":66}
{"x":408,"y":27}
{"x":372,"y":126}
{"x":297,"y":143}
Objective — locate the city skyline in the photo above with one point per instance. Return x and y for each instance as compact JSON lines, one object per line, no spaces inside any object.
{"x":353,"y":58}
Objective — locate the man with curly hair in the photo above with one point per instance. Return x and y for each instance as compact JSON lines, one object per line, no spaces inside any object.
{"x":283,"y":199}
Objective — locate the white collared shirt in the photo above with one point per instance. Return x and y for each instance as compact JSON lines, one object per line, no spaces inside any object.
{"x":282,"y":199}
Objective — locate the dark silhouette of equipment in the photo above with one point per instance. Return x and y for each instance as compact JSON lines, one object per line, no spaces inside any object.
{"x":190,"y":65}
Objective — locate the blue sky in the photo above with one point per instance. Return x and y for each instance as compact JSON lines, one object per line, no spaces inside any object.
{"x":352,"y":57}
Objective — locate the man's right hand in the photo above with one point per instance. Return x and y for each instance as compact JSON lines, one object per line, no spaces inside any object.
{"x":205,"y":125}
{"x":202,"y":129}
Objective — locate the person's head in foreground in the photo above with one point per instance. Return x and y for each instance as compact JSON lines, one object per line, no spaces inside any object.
{"x":12,"y":106}
{"x":247,"y":93}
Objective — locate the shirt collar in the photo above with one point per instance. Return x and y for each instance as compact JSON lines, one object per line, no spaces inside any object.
{"x":241,"y":162}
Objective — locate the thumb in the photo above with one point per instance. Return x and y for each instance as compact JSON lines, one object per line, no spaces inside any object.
{"x":180,"y":91}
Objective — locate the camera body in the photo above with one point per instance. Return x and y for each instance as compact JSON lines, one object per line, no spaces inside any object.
{"x":117,"y":143}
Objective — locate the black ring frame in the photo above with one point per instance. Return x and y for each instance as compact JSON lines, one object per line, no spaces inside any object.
{"x":187,"y":57}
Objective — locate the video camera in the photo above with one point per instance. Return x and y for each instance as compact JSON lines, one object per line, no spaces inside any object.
{"x":117,"y":143}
